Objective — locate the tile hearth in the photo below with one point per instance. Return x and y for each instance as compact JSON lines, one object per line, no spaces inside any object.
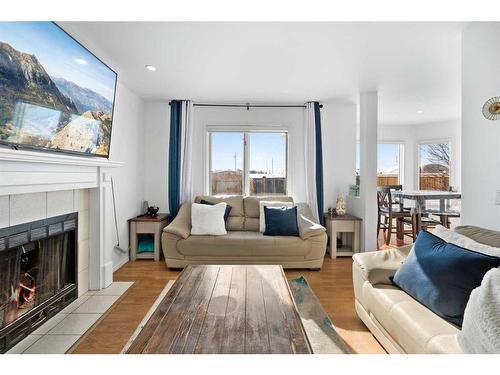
{"x":63,"y":330}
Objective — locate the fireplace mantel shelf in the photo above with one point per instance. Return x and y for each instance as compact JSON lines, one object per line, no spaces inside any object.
{"x":55,"y":158}
{"x":24,"y":171}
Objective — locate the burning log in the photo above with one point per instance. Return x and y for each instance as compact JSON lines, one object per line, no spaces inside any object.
{"x":27,"y":289}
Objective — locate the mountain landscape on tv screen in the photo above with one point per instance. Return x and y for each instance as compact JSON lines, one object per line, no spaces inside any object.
{"x":50,"y":112}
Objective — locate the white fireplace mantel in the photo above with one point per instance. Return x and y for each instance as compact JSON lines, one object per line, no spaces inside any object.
{"x":24,"y":171}
{"x":31,"y":172}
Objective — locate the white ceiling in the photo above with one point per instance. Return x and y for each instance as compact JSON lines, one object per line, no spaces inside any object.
{"x":414,"y":66}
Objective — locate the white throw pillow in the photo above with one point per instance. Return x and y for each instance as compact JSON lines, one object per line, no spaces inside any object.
{"x":464,"y":241}
{"x":481,"y":325}
{"x":262,"y":218}
{"x":207,"y":219}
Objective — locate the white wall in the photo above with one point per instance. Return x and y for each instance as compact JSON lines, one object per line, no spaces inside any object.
{"x":412,"y":135}
{"x":157,"y":134}
{"x":338,"y":125}
{"x":339,"y":149}
{"x":127,"y":146}
{"x":480,"y":137}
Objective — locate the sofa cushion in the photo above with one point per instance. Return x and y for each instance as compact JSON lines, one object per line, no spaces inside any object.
{"x":481,"y":235}
{"x":281,"y":221}
{"x":441,"y":275}
{"x":236,"y":215}
{"x":378,"y":267}
{"x":252,"y":224}
{"x":252,"y":204}
{"x":412,"y":325}
{"x":463,"y":241}
{"x":243,"y":243}
{"x":308,"y":226}
{"x":444,"y":344}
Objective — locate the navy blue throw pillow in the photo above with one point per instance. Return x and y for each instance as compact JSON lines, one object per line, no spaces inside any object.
{"x":441,"y":275}
{"x":226,"y":213}
{"x":281,"y":221}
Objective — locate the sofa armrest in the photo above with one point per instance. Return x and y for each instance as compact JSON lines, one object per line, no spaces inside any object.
{"x":181,"y":225}
{"x":378,"y":266}
{"x":308,"y":226}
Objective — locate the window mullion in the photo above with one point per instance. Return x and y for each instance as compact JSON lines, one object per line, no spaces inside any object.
{"x":246,"y":164}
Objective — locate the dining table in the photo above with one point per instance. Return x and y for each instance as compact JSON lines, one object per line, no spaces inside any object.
{"x":420,"y":199}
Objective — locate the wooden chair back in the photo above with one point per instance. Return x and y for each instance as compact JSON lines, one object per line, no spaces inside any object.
{"x":385,"y":200}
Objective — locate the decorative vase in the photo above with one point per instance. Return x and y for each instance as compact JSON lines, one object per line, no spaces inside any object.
{"x":341,"y":211}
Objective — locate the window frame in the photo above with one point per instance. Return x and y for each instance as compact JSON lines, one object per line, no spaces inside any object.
{"x":429,"y":142}
{"x":401,"y":157}
{"x":246,"y":155}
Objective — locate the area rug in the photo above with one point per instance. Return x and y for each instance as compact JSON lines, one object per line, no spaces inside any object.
{"x":320,"y":330}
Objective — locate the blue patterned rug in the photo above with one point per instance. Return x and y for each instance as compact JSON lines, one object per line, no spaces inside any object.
{"x":320,"y":330}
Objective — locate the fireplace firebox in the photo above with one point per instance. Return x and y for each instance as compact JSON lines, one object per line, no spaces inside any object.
{"x":38,"y":274}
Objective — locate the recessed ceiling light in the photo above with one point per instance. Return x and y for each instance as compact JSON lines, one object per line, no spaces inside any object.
{"x":420,"y":111}
{"x":151,"y":68}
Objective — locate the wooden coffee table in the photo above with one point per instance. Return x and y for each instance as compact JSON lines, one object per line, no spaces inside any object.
{"x":226,"y":309}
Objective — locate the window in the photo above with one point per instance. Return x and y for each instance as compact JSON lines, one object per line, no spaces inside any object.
{"x":226,"y":163}
{"x":252,"y":163}
{"x":388,"y":163}
{"x":434,"y":166}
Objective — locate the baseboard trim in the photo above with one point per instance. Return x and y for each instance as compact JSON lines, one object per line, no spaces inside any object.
{"x":124,"y":261}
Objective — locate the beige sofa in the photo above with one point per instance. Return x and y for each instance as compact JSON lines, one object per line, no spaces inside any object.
{"x":244,"y":244}
{"x":400,"y":323}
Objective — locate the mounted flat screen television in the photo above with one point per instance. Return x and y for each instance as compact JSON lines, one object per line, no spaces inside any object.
{"x":54,"y":94}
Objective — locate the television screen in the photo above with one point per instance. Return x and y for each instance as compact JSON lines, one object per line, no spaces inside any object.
{"x":54,"y":93}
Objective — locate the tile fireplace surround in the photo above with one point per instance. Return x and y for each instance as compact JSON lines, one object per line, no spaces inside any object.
{"x":35,"y":185}
{"x":23,"y":208}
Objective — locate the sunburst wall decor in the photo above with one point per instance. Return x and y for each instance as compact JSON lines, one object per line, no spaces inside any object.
{"x":491,"y":109}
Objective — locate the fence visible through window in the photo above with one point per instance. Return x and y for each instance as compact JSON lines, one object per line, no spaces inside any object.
{"x":434,"y":166}
{"x":253,"y":163}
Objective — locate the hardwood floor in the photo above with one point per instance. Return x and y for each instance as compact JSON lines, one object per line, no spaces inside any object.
{"x":332,"y":285}
{"x":394,"y":242}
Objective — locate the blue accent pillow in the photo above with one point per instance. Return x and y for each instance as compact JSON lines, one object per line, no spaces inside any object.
{"x":226,"y":213}
{"x":441,"y":275}
{"x":281,"y":221}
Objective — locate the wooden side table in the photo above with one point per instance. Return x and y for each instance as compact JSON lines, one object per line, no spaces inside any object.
{"x":349,"y":228}
{"x":147,"y":225}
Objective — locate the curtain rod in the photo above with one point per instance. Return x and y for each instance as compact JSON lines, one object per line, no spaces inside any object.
{"x":248,"y":106}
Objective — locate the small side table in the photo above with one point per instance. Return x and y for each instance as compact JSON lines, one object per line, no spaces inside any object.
{"x":147,"y":225}
{"x":349,"y":228}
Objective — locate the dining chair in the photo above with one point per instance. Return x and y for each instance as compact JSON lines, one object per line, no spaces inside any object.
{"x":389,"y":210}
{"x":444,"y":217}
{"x":452,"y":210}
{"x":426,"y":222}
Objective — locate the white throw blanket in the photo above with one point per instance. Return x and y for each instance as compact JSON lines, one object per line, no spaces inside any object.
{"x":481,"y":326}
